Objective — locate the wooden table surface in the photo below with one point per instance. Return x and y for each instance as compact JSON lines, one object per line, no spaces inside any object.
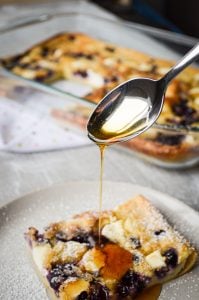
{"x":24,"y":173}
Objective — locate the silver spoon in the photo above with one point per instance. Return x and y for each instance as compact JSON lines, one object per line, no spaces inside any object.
{"x":133,"y":107}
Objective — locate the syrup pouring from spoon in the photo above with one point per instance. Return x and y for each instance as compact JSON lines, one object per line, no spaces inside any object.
{"x":133,"y":107}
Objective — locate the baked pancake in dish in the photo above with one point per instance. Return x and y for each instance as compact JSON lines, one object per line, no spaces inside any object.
{"x":102,"y":66}
{"x":137,"y":249}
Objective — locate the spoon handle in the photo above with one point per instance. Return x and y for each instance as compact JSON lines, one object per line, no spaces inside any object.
{"x":191,"y":56}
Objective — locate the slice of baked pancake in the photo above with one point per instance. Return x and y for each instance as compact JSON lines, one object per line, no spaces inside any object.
{"x":137,"y":249}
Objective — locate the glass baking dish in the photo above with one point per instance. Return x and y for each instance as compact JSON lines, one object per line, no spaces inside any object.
{"x":165,"y":150}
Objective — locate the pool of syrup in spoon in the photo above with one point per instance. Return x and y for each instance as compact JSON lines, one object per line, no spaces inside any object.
{"x":123,"y":121}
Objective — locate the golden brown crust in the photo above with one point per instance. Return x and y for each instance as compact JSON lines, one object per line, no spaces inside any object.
{"x":167,"y":153}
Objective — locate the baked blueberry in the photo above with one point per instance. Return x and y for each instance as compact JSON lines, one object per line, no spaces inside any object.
{"x":169,"y":139}
{"x":182,"y":109}
{"x":41,"y":239}
{"x":160,"y":232}
{"x":131,"y":284}
{"x":59,"y":273}
{"x":98,"y":292}
{"x":83,"y":296}
{"x":122,"y":290}
{"x":86,"y":238}
{"x":47,"y":75}
{"x":171,"y":256}
{"x":113,"y":78}
{"x":81,"y":73}
{"x":44,"y":51}
{"x":71,"y":37}
{"x":161,"y":273}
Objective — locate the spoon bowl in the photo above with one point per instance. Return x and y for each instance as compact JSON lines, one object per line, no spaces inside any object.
{"x":132,"y":107}
{"x":126,"y":111}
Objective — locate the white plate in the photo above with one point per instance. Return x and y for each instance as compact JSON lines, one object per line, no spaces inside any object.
{"x":18,"y":281}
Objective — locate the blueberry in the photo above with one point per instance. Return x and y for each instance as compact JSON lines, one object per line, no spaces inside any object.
{"x":59,"y":273}
{"x":143,"y":281}
{"x":44,"y":51}
{"x":81,"y":237}
{"x":171,"y":257}
{"x":161,"y":273}
{"x":103,"y":240}
{"x":185,"y":121}
{"x":87,"y":238}
{"x":131,"y":283}
{"x":189,"y":120}
{"x":83,"y":296}
{"x":182,"y":109}
{"x":89,"y":56}
{"x":98,"y":292}
{"x":159,"y":232}
{"x":56,"y":281}
{"x":113,"y":78}
{"x":187,"y":113}
{"x":122,"y":290}
{"x":136,"y":242}
{"x":41,"y":78}
{"x":41,"y":239}
{"x":68,"y":269}
{"x":171,"y":140}
{"x":50,"y":73}
{"x":71,"y":37}
{"x":179,"y":108}
{"x":190,"y":111}
{"x":81,"y":73}
{"x":130,"y":278}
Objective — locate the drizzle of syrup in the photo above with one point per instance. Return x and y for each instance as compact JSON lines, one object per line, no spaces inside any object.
{"x":117,"y":261}
{"x":102,"y":148}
